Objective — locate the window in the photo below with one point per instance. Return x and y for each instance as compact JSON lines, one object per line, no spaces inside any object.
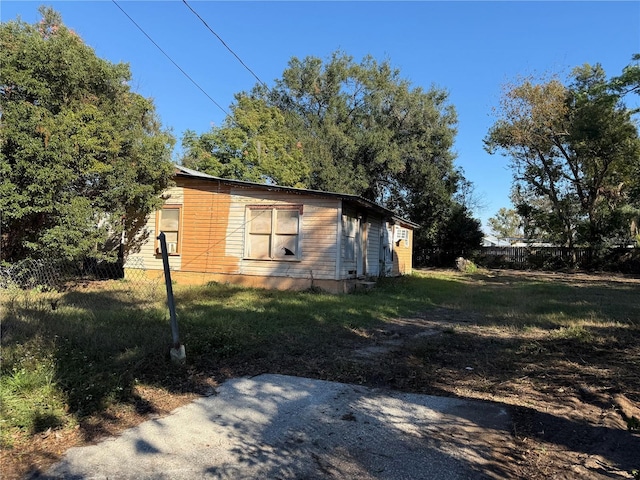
{"x":402,"y":234}
{"x":168,"y":221}
{"x":273,"y":232}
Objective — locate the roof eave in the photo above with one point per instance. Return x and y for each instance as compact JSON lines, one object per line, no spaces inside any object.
{"x":189,"y":173}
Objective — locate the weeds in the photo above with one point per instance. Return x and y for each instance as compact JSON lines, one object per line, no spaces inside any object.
{"x":30,"y":401}
{"x":573,"y":332}
{"x":97,"y":347}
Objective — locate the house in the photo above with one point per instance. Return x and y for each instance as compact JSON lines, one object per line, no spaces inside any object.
{"x":271,"y":236}
{"x":493,"y":241}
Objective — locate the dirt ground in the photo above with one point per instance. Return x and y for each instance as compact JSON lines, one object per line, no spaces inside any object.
{"x":571,"y":418}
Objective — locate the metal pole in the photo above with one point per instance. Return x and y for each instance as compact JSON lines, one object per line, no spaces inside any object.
{"x":177,"y":352}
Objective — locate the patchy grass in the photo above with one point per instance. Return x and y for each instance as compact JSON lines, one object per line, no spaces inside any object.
{"x":63,"y":364}
{"x":100,"y":359}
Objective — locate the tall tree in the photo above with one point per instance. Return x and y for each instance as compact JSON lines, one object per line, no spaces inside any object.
{"x":506,"y":223}
{"x":254,"y":144}
{"x":82,"y":158}
{"x":575,"y":146}
{"x":361,"y":129}
{"x":629,"y":82}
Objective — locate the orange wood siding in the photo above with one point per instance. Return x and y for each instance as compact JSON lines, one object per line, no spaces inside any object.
{"x":402,"y":255}
{"x":205,"y":219}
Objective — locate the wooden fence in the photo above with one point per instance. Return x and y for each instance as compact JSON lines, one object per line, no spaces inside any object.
{"x":535,"y":257}
{"x":619,"y":259}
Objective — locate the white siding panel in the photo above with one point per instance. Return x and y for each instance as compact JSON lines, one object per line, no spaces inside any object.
{"x":146,"y":257}
{"x":317,"y":234}
{"x":174,"y":196}
{"x":373,"y":246}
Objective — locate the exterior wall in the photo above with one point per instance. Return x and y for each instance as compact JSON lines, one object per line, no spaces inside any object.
{"x":402,"y":253}
{"x":207,"y":206}
{"x":366,"y":259}
{"x":142,"y":253}
{"x":318,"y":232}
{"x":269,"y":282}
{"x":213,"y":235}
{"x":374,"y":225}
{"x":214,"y":231}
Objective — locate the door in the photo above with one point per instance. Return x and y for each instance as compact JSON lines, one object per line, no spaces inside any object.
{"x":361,"y":253}
{"x":386,"y":250}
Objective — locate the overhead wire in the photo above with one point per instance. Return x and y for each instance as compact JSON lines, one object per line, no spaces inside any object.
{"x":224,"y":43}
{"x":171,"y":60}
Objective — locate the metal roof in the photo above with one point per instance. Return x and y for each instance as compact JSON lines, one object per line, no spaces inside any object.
{"x":363,"y":202}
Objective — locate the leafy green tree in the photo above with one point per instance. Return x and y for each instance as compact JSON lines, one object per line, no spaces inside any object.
{"x":359,"y":128}
{"x":575,"y":146}
{"x":82,"y":158}
{"x":506,"y":223}
{"x":535,"y":214}
{"x":462,"y":234}
{"x":629,"y":82}
{"x":255,"y":144}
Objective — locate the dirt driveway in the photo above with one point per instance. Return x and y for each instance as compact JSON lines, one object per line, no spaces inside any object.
{"x":571,"y":416}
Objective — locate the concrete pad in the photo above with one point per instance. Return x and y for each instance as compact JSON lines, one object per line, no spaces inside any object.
{"x":278,"y":427}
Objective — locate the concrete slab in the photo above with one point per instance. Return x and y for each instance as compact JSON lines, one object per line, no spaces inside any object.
{"x":280,"y":427}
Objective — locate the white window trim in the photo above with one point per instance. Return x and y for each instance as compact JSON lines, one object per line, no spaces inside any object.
{"x":274,"y":209}
{"x":401,"y":233}
{"x":177,"y":248}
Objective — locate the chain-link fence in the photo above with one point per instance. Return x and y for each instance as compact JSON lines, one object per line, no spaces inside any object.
{"x":89,"y":284}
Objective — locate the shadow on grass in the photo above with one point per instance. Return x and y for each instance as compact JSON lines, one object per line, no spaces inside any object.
{"x":103,"y":343}
{"x":577,"y":379}
{"x":284,"y":427}
{"x":102,"y":351}
{"x":536,"y":298}
{"x":97,"y":353}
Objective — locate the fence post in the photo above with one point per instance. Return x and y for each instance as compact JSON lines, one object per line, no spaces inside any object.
{"x":178,"y":354}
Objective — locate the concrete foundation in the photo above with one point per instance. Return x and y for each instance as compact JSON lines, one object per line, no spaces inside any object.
{"x":254,"y":281}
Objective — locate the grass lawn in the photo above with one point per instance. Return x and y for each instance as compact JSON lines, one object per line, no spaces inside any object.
{"x":75,"y":364}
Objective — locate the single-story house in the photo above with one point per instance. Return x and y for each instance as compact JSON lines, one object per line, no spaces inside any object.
{"x":271,"y":236}
{"x":493,"y":241}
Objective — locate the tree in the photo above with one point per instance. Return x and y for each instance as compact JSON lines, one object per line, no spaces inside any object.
{"x":255,"y":144}
{"x":574,"y":146}
{"x":360,"y":129}
{"x":82,"y":158}
{"x":461,"y":236}
{"x":506,"y":224}
{"x":629,"y":82}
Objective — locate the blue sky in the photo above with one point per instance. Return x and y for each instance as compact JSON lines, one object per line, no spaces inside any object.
{"x":469,"y":49}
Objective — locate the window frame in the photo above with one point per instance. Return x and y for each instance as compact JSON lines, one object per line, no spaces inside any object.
{"x":273,"y":234}
{"x":178,"y":250}
{"x":400,"y":234}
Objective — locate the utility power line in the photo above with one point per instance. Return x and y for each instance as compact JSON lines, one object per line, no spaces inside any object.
{"x":170,"y":59}
{"x":223,"y":43}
